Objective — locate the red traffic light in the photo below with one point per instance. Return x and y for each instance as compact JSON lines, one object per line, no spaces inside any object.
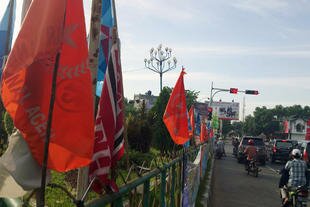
{"x":252,"y":92}
{"x":233,"y":90}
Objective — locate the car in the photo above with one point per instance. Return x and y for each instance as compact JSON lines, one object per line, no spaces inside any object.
{"x":258,"y":143}
{"x":304,"y":147}
{"x":280,"y":149}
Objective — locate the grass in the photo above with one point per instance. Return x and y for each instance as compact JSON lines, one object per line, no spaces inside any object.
{"x":203,"y":185}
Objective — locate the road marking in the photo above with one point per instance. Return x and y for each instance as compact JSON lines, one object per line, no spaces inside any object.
{"x":273,"y":170}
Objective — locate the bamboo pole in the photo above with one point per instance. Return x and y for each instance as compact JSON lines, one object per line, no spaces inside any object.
{"x":94,"y":34}
{"x":26,"y":5}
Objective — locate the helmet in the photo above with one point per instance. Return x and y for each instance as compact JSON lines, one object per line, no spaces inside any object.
{"x":251,"y":142}
{"x":296,"y":153}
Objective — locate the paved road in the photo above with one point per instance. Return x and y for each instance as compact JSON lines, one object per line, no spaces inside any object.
{"x":234,"y":188}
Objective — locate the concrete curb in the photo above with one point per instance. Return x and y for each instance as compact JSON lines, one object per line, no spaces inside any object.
{"x":206,"y":197}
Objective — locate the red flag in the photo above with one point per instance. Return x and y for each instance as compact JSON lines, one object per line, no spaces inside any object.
{"x":175,"y":116}
{"x":192,"y":120}
{"x":203,"y":132}
{"x":109,"y":139}
{"x":308,"y":130}
{"x":52,"y":27}
{"x":285,"y":126}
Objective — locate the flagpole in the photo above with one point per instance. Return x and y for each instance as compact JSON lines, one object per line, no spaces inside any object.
{"x":94,"y":40}
{"x":41,"y":201}
{"x":26,"y":5}
{"x":7,"y":46}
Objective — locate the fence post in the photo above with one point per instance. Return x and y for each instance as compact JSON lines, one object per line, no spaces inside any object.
{"x":163,"y":187}
{"x":146,"y":193}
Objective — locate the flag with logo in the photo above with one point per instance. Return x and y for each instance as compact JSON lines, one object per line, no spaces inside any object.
{"x":6,"y":32}
{"x":285,"y":127}
{"x":204,"y":132}
{"x":192,"y":121}
{"x":109,"y":126}
{"x":51,"y":29}
{"x":175,"y":116}
{"x":106,"y":33}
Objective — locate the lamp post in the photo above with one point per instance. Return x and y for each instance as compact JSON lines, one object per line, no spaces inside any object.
{"x":159,"y":61}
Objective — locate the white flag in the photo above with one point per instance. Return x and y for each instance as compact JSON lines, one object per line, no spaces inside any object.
{"x":19,"y":172}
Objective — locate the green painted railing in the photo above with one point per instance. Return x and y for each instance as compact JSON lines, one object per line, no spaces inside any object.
{"x":159,"y":187}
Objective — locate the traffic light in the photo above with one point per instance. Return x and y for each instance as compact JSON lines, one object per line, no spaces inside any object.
{"x":252,"y":92}
{"x":233,"y":90}
{"x":210,"y":113}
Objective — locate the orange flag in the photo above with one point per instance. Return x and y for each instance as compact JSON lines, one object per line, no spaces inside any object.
{"x":203,"y":132}
{"x":192,"y":120}
{"x":175,"y":116}
{"x":52,"y":27}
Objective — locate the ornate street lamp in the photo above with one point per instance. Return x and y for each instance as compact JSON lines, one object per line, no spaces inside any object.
{"x":160,"y":62}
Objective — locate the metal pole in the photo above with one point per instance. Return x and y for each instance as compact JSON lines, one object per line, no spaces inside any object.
{"x":243,"y":109}
{"x":48,"y":134}
{"x":161,"y":84}
{"x":94,"y":34}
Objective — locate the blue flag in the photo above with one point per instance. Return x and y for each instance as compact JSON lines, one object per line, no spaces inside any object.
{"x":107,"y":23}
{"x":6,"y":32}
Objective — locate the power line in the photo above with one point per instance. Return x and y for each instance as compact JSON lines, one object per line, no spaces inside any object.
{"x":134,"y":70}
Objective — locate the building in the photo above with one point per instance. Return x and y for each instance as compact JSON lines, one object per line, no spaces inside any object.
{"x":297,"y":127}
{"x":146,"y":98}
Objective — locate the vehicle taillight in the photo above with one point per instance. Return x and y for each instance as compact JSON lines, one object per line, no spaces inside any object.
{"x":274,"y":149}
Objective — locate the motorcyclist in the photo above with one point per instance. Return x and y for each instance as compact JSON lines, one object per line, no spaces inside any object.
{"x":250,"y":151}
{"x":220,"y":145}
{"x":294,"y":174}
{"x":235,"y":144}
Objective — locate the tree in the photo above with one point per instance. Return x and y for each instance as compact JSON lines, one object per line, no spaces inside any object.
{"x":249,"y":127}
{"x":227,"y":127}
{"x":139,"y":131}
{"x":238,"y":128}
{"x":161,"y":138}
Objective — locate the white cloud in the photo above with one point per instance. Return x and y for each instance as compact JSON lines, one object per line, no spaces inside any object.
{"x":261,"y":7}
{"x":167,"y":10}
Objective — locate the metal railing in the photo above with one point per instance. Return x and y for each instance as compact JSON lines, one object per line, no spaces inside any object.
{"x":163,"y":185}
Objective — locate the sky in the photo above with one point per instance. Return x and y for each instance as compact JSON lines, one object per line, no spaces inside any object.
{"x":244,"y":44}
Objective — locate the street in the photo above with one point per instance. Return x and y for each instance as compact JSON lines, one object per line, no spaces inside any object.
{"x":233,"y":187}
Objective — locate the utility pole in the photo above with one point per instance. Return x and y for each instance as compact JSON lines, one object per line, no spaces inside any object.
{"x":243,"y":109}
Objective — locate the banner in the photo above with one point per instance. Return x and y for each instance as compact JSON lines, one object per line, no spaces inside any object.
{"x":175,"y":116}
{"x":107,"y":23}
{"x":109,"y":130}
{"x":308,"y":130}
{"x":226,"y":110}
{"x":52,"y":28}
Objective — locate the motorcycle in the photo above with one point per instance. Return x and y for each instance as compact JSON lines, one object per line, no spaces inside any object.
{"x":298,"y":197}
{"x":252,"y":168}
{"x":219,"y":153}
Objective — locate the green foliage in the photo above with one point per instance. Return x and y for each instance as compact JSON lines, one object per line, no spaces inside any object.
{"x":238,"y":128}
{"x":8,"y":123}
{"x":129,"y":108}
{"x":139,"y":131}
{"x":227,"y":127}
{"x":137,"y":158}
{"x":268,"y":121}
{"x":249,"y":127}
{"x":191,"y":97}
{"x":162,"y":139}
